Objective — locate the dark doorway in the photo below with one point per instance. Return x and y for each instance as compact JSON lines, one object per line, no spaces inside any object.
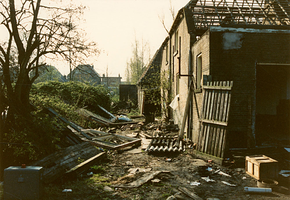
{"x":272,"y":102}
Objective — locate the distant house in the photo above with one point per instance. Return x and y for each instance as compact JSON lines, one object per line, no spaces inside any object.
{"x":111,"y":82}
{"x":149,"y":96}
{"x":86,"y":74}
{"x":49,"y":73}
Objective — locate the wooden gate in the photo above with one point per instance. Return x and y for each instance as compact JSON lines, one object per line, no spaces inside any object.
{"x":212,"y":138}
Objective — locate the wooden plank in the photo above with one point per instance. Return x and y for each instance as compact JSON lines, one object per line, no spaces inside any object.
{"x":221,"y":138}
{"x":112,"y":146}
{"x":225,"y":104}
{"x":215,"y":102}
{"x":221,"y":106}
{"x":224,"y":144}
{"x":214,"y":122}
{"x":204,"y":103}
{"x":218,"y":105}
{"x":211,"y":104}
{"x":203,"y":141}
{"x":185,"y":113}
{"x":229,"y":103}
{"x":199,"y":144}
{"x":213,"y":142}
{"x":144,"y":179}
{"x":210,"y":87}
{"x":189,"y":193}
{"x":208,"y":104}
{"x":55,"y":165}
{"x":68,"y":123}
{"x":86,"y":164}
{"x":206,"y":137}
{"x":209,"y":144}
{"x":205,"y":156}
{"x":217,"y":144}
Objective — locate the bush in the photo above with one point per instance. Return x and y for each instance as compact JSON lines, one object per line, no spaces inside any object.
{"x":76,"y":94}
{"x":32,"y":139}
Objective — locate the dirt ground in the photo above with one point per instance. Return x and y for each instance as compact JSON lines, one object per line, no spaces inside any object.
{"x":178,"y":171}
{"x":172,"y":176}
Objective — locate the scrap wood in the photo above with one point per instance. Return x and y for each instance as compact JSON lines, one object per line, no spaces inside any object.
{"x":144,"y":179}
{"x":86,"y":164}
{"x":189,"y":193}
{"x":112,"y":146}
{"x":145,"y":143}
{"x":137,"y":170}
{"x":103,"y":141}
{"x":146,"y":135}
{"x":57,"y":164}
{"x":68,"y":123}
{"x":113,"y":118}
{"x":99,"y":119}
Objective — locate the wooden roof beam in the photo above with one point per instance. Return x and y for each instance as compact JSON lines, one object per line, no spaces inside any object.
{"x":282,"y":8}
{"x":257,"y":19}
{"x":266,"y":17}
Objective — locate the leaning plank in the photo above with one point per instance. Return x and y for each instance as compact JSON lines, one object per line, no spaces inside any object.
{"x":189,"y":193}
{"x":68,"y":123}
{"x":58,"y":163}
{"x":86,"y":164}
{"x":101,"y":120}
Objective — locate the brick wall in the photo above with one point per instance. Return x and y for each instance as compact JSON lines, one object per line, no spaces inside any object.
{"x":233,"y":56}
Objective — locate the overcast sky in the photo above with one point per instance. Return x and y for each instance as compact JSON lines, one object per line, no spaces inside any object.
{"x":114,"y":25}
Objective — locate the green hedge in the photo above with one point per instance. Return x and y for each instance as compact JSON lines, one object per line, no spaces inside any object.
{"x":76,"y":94}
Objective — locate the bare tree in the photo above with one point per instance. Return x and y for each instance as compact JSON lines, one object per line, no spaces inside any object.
{"x":137,"y":63}
{"x":36,"y":30}
{"x":162,"y":17}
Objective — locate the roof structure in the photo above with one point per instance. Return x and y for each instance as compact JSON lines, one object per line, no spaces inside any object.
{"x":239,"y":13}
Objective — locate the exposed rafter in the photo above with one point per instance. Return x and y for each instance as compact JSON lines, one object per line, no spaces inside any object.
{"x":207,"y":13}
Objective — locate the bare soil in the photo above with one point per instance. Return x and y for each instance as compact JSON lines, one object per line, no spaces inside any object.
{"x":113,"y":178}
{"x":179,"y":171}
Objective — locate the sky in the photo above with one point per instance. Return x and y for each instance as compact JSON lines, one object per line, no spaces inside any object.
{"x":115,"y":24}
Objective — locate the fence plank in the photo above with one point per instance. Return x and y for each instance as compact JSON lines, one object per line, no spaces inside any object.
{"x":212,"y":137}
{"x":213,"y":141}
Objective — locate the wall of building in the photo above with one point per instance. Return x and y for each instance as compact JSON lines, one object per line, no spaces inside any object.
{"x":200,"y":48}
{"x":234,"y":54}
{"x":112,"y":82}
{"x":179,"y":66}
{"x":165,"y":80}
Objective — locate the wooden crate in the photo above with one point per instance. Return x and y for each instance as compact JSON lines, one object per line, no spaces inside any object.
{"x":261,"y":167}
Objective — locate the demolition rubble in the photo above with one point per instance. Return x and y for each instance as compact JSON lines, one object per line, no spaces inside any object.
{"x":136,"y":160}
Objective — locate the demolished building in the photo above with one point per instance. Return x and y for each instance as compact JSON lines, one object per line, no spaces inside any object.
{"x":228,"y":63}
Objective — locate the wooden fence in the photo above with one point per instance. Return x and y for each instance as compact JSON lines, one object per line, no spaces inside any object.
{"x":212,"y":138}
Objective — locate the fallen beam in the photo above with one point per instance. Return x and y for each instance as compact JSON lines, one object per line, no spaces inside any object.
{"x":57,"y":164}
{"x":68,"y":123}
{"x":86,"y":164}
{"x":112,"y":146}
{"x":144,"y":179}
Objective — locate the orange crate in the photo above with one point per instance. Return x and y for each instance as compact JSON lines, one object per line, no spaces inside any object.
{"x":261,"y":167}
